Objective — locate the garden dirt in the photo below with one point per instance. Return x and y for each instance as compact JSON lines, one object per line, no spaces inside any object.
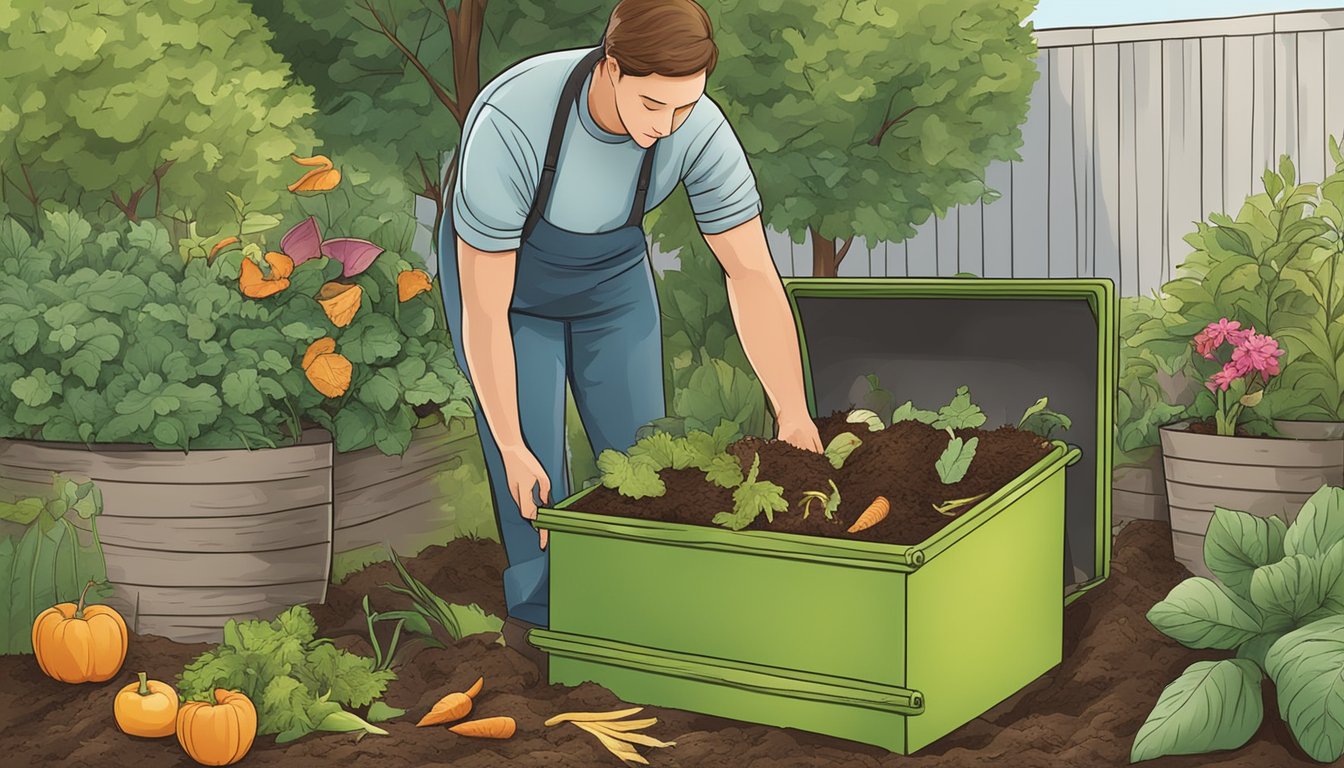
{"x":897,"y":463}
{"x":1084,"y":712}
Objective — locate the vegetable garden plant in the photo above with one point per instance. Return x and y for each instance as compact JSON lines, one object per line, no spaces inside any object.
{"x":1278,"y":604}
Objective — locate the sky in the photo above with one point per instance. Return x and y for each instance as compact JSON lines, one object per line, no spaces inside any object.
{"x":1092,"y":13}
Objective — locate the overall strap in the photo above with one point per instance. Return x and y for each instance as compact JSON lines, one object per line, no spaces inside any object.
{"x":642,"y":188}
{"x":568,"y":96}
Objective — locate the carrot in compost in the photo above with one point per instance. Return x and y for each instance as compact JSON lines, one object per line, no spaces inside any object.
{"x":454,"y":706}
{"x":487,"y":728}
{"x":874,"y":514}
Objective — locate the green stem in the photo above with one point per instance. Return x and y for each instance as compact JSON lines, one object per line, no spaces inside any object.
{"x":392,"y":645}
{"x":79,"y":609}
{"x":143,"y":690}
{"x":373,"y":640}
{"x":74,"y":550}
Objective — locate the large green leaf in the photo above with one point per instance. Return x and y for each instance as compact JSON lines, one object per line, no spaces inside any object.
{"x":1212,"y":706}
{"x":1288,"y":588}
{"x":1319,"y":525}
{"x":1237,"y":544}
{"x":1307,"y":666}
{"x":1199,"y":614}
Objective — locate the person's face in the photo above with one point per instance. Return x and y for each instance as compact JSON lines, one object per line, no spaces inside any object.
{"x":654,"y":106}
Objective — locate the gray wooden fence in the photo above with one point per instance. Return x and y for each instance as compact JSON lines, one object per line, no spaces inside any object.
{"x":1133,"y":134}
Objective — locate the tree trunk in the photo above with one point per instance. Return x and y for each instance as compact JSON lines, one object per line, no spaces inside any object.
{"x":824,"y":263}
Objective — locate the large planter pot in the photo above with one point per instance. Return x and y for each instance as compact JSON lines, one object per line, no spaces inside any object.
{"x":402,"y":501}
{"x":1258,"y":475}
{"x":193,"y":539}
{"x":1310,"y":430}
{"x":883,"y":644}
{"x":1139,"y":491}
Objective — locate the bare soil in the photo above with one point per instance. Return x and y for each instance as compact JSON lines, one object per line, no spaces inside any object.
{"x":1084,"y":712}
{"x":897,"y":463}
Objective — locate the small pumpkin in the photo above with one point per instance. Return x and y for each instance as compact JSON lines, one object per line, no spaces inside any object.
{"x":220,"y":733}
{"x":147,"y":709}
{"x":78,"y":644}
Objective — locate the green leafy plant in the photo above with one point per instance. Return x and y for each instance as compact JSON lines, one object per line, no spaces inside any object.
{"x":1039,"y":418}
{"x":458,"y":621}
{"x":44,"y":562}
{"x":298,"y":682}
{"x":751,"y":499}
{"x":412,"y":621}
{"x":634,"y":473}
{"x":1277,"y":600}
{"x":1146,"y":360}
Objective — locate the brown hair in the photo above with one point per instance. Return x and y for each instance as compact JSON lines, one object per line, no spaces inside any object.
{"x":672,"y":38}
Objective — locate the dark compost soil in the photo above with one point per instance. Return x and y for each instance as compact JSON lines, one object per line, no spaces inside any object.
{"x":896,"y":462}
{"x":1084,"y":712}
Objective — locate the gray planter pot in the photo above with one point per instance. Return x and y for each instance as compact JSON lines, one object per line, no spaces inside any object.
{"x":1139,"y":491}
{"x":1310,"y":430}
{"x":1258,"y":475}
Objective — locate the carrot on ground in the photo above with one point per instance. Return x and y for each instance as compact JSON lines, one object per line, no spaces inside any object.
{"x":874,"y":514}
{"x":487,"y":728}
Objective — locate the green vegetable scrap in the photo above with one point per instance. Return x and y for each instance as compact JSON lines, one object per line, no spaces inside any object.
{"x":300,"y":683}
{"x":752,"y":498}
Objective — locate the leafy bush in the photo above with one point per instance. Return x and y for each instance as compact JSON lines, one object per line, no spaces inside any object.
{"x":44,"y":562}
{"x":298,"y":682}
{"x":1146,"y":360}
{"x":109,"y":337}
{"x":1278,"y":602}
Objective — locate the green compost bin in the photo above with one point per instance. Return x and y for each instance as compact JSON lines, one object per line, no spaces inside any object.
{"x":884,"y":644}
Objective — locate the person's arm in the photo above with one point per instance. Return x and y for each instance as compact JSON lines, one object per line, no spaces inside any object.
{"x":764,"y":321}
{"x":491,"y":200}
{"x":727,"y":206}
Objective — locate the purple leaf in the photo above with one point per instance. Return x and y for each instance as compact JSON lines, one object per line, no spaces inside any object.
{"x":303,"y":242}
{"x":352,"y":252}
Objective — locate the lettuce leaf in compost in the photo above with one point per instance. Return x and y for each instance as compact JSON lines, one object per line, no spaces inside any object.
{"x":632,"y":476}
{"x":724,"y":471}
{"x":1045,"y":422}
{"x":956,"y":459}
{"x":840,"y":447}
{"x":752,"y":498}
{"x":663,"y":450}
{"x":961,"y":413}
{"x":908,"y":412}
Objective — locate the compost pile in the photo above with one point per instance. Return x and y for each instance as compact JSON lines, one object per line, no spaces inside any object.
{"x":897,"y":462}
{"x":1084,"y":712}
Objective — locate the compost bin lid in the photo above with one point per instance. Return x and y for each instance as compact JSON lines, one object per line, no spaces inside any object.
{"x":1011,"y":341}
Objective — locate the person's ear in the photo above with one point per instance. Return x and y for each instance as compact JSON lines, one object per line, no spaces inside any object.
{"x":612,"y":68}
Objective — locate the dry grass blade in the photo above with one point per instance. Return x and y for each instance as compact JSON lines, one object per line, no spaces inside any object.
{"x":591,"y":716}
{"x":635,"y":738}
{"x":628,"y":725}
{"x":947,"y":506}
{"x":624,"y":750}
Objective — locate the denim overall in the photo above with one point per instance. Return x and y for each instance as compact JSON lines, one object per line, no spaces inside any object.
{"x":584,"y":307}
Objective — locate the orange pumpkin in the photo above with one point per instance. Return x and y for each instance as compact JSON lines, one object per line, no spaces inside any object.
{"x":147,"y":709}
{"x":78,"y":644}
{"x":219,"y":733}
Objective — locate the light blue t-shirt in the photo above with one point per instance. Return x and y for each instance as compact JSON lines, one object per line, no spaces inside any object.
{"x":504,"y":146}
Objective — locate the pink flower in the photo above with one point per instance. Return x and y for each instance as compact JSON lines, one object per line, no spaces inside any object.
{"x":1260,"y":353}
{"x":1219,"y":332}
{"x":1204,"y":344}
{"x":1224,"y":378}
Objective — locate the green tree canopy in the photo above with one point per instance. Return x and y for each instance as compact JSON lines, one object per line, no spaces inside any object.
{"x":146,"y":108}
{"x":863,"y":118}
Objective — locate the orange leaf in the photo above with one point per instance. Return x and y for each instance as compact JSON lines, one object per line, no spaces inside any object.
{"x":454,"y":706}
{"x":254,"y":285}
{"x":340,"y":301}
{"x":281,"y":265}
{"x":221,"y":245}
{"x":316,"y":160}
{"x":330,"y":374}
{"x":321,"y":180}
{"x":322,"y":346}
{"x":411,"y":283}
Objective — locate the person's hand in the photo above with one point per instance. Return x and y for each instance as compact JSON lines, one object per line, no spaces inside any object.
{"x":524,"y":474}
{"x":800,"y":431}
